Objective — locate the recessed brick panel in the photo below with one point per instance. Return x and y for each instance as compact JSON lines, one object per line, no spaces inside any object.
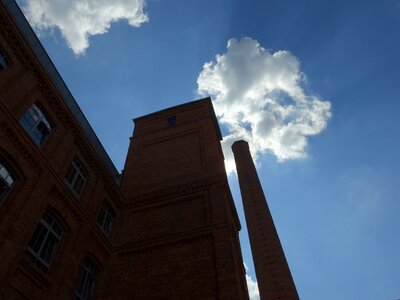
{"x":167,"y":159}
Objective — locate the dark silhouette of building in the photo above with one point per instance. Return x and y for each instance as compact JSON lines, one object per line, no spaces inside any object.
{"x":71,"y":226}
{"x":179,"y":229}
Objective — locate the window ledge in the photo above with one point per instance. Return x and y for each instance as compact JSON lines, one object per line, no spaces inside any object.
{"x":36,"y":275}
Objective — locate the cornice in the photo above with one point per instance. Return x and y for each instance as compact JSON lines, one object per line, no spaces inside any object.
{"x":175,"y":191}
{"x":202,"y":238}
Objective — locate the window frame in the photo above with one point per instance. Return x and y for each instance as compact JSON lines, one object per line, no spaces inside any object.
{"x":89,"y":270}
{"x":171,"y":122}
{"x":76,"y":176}
{"x":5,"y":58}
{"x":34,"y":121}
{"x":106,"y":218}
{"x":6,"y":173}
{"x":47,"y":231}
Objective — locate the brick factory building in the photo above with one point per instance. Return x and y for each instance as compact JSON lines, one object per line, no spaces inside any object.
{"x":72,"y":227}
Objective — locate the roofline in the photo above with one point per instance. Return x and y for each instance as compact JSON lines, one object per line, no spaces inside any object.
{"x":206,"y":100}
{"x":172,"y":108}
{"x":36,"y":47}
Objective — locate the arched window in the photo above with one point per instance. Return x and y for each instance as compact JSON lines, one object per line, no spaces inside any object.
{"x":87,"y":280}
{"x":106,"y":217}
{"x":37,"y":124}
{"x":44,"y":243}
{"x":3,"y":60}
{"x":7,"y":181}
{"x":76,"y":176}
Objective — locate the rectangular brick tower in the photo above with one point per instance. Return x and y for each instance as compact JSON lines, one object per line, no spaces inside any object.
{"x":272,"y":271}
{"x":178,"y":237}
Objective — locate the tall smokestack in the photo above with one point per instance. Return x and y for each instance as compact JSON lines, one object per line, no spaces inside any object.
{"x":273,"y":274}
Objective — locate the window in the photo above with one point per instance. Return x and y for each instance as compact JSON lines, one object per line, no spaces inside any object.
{"x":76,"y":176}
{"x":44,"y":242}
{"x":3,"y":60}
{"x":36,"y":124}
{"x":171,"y":122}
{"x":106,"y":218}
{"x":87,"y":281}
{"x":7,"y":180}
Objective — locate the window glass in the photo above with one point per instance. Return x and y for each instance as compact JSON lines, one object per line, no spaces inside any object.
{"x":44,"y":242}
{"x":36,"y":124}
{"x":7,"y":180}
{"x":106,"y":218}
{"x":171,"y":122}
{"x":87,"y":281}
{"x":3,"y":60}
{"x":76,"y":176}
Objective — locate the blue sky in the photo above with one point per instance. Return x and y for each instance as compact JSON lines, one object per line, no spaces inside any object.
{"x":327,"y":158}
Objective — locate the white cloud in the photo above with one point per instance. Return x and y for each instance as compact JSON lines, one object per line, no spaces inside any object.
{"x":258,"y":96}
{"x":79,"y":19}
{"x":252,"y":286}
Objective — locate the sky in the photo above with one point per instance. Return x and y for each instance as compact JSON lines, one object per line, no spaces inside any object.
{"x":312,"y":85}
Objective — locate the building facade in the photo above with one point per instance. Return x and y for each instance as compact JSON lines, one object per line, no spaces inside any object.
{"x":71,"y":226}
{"x":59,"y":195}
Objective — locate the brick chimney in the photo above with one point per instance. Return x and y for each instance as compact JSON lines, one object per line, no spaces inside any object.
{"x":273,"y":274}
